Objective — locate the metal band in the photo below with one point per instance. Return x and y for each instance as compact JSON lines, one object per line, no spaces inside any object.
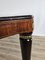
{"x":26,"y":37}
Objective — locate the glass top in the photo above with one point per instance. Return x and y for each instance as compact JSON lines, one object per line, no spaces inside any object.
{"x":16,"y":17}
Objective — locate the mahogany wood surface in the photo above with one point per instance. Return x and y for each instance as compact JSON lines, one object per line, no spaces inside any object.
{"x":11,"y":26}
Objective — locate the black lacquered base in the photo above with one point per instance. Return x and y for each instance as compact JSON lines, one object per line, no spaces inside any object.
{"x":26,"y":47}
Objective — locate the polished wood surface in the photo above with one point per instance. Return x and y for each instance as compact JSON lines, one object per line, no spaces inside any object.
{"x":20,"y":24}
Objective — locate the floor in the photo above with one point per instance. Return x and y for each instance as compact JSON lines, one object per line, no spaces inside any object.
{"x":10,"y":48}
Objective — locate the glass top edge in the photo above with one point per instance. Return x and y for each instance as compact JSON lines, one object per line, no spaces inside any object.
{"x":16,"y":17}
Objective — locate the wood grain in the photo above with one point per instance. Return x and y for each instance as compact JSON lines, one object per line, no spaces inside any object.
{"x":8,"y":28}
{"x":10,"y":48}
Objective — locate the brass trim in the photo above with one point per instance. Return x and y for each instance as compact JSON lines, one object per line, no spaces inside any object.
{"x":26,"y":37}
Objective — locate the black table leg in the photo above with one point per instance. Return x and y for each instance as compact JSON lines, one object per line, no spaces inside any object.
{"x":26,"y":42}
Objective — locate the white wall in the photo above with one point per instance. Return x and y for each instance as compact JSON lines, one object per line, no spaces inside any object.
{"x":24,"y":7}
